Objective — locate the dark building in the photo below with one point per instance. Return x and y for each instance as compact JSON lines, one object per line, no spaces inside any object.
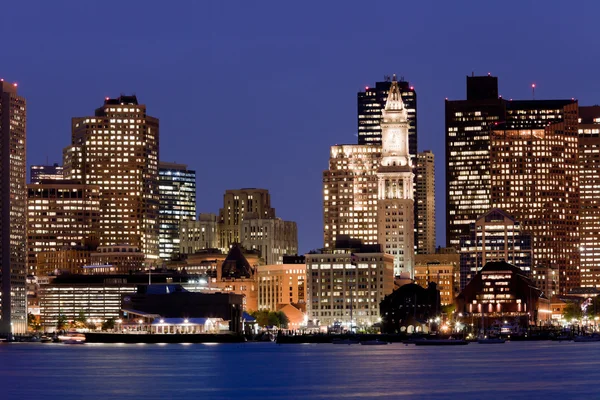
{"x":409,"y":305}
{"x":520,"y":156}
{"x":294,"y":259}
{"x":501,"y":291}
{"x":45,"y":172}
{"x":13,"y":198}
{"x":173,"y":301}
{"x":371,"y":103}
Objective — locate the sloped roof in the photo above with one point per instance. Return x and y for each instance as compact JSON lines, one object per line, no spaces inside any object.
{"x":236,"y":265}
{"x":495,"y":213}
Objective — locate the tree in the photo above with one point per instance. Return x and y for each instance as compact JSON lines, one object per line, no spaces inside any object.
{"x":108,"y":325}
{"x":61,"y":323}
{"x":572,"y":311}
{"x":271,"y":318}
{"x":33,"y":323}
{"x":283,"y":319}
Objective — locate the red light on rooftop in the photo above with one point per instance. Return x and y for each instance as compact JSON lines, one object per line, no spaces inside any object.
{"x":366,"y":88}
{"x":533,"y":85}
{"x":106,"y":98}
{"x":489,"y":74}
{"x":412,"y":88}
{"x":14,"y":84}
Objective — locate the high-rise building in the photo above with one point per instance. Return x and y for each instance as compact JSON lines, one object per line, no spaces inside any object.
{"x":61,"y":214}
{"x":495,"y":236}
{"x":13,"y":194}
{"x":589,"y":185}
{"x":281,"y":284}
{"x":425,"y":203}
{"x":395,"y":201}
{"x":200,"y":234}
{"x":236,"y":203}
{"x":520,"y":156}
{"x":371,"y":104}
{"x":350,"y":194}
{"x":177,"y":189}
{"x":345,"y":284}
{"x":117,"y":149}
{"x":45,"y":172}
{"x":273,"y":237}
{"x":440,"y":274}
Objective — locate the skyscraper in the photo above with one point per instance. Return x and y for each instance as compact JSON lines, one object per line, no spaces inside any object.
{"x":395,"y":201}
{"x":117,"y":149}
{"x":520,"y":156}
{"x":177,"y":189}
{"x":425,"y":203}
{"x":13,"y":193}
{"x":45,"y":172}
{"x":371,"y":104}
{"x":589,"y":184}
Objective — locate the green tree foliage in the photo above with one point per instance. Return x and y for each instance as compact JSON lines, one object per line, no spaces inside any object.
{"x":108,"y":325}
{"x":271,"y":318}
{"x":572,"y":311}
{"x":33,"y":323}
{"x":61,"y":323}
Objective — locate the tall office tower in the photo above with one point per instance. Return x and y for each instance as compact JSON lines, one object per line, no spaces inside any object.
{"x":45,"y":172}
{"x":13,"y":193}
{"x":117,"y":149}
{"x":371,"y":104}
{"x":589,"y":184}
{"x":236,"y":203}
{"x":495,"y":236}
{"x":425,"y":203}
{"x":468,"y":124}
{"x":177,"y":189}
{"x":350,"y":194}
{"x":273,"y":237}
{"x":395,"y":204}
{"x":60,"y":215}
{"x":535,"y":178}
{"x":200,"y":234}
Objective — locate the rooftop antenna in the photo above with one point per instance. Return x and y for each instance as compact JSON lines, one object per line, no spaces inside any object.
{"x":533,"y":91}
{"x":386,"y":78}
{"x":472,"y":74}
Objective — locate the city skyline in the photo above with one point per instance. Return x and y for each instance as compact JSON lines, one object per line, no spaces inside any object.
{"x":303,"y":69}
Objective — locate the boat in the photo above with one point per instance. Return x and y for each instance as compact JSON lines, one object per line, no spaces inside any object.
{"x":45,"y":339}
{"x":586,"y":339}
{"x":491,"y":341}
{"x":375,"y":342}
{"x":76,"y":338}
{"x":345,"y":341}
{"x":440,"y":342}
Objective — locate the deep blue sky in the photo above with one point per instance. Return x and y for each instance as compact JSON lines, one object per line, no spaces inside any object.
{"x":252,"y":94}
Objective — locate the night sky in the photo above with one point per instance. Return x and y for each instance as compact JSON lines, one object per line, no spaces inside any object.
{"x":252,"y":94}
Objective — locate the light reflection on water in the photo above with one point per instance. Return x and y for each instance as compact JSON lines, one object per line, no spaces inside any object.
{"x":320,"y":371}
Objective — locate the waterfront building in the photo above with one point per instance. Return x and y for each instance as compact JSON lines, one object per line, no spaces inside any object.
{"x":500,"y":291}
{"x":281,"y":284}
{"x":61,"y":214}
{"x":371,"y":104}
{"x":409,"y":308}
{"x":118,"y":259}
{"x":520,"y":156}
{"x":272,"y":237}
{"x":236,"y":274}
{"x":589,"y":184}
{"x":177,"y":189}
{"x":13,"y":201}
{"x":46,"y":172}
{"x":425,"y":203}
{"x":200,"y":234}
{"x":236,"y":204}
{"x":545,"y":278}
{"x":495,"y":236}
{"x":345,"y":284}
{"x":117,"y":149}
{"x":442,"y":274}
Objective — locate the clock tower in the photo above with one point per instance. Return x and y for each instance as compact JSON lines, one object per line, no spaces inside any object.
{"x":395,"y":203}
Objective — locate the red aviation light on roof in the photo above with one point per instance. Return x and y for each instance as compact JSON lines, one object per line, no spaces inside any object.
{"x":412,"y":88}
{"x":366,"y":88}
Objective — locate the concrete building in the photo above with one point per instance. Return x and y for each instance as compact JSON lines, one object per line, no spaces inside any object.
{"x":45,"y":172}
{"x":442,"y":274}
{"x":177,"y":189}
{"x":117,"y":149}
{"x":236,"y":204}
{"x":199,"y":234}
{"x":69,"y":260}
{"x":119,"y":259}
{"x":272,"y":237}
{"x":281,"y":284}
{"x":345,"y":285}
{"x":545,"y":278}
{"x":13,"y":196}
{"x":395,"y":194}
{"x":425,"y":203}
{"x":371,"y":104}
{"x":495,"y":236}
{"x":589,"y":185}
{"x":61,"y":214}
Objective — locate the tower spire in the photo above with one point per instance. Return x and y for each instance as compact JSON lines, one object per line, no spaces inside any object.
{"x":394,"y":101}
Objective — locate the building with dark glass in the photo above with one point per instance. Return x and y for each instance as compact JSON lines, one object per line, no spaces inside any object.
{"x":177,"y":188}
{"x":46,"y":172}
{"x":371,"y":104}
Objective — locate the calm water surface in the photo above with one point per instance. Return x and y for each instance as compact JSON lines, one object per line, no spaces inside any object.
{"x":319,"y":371}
